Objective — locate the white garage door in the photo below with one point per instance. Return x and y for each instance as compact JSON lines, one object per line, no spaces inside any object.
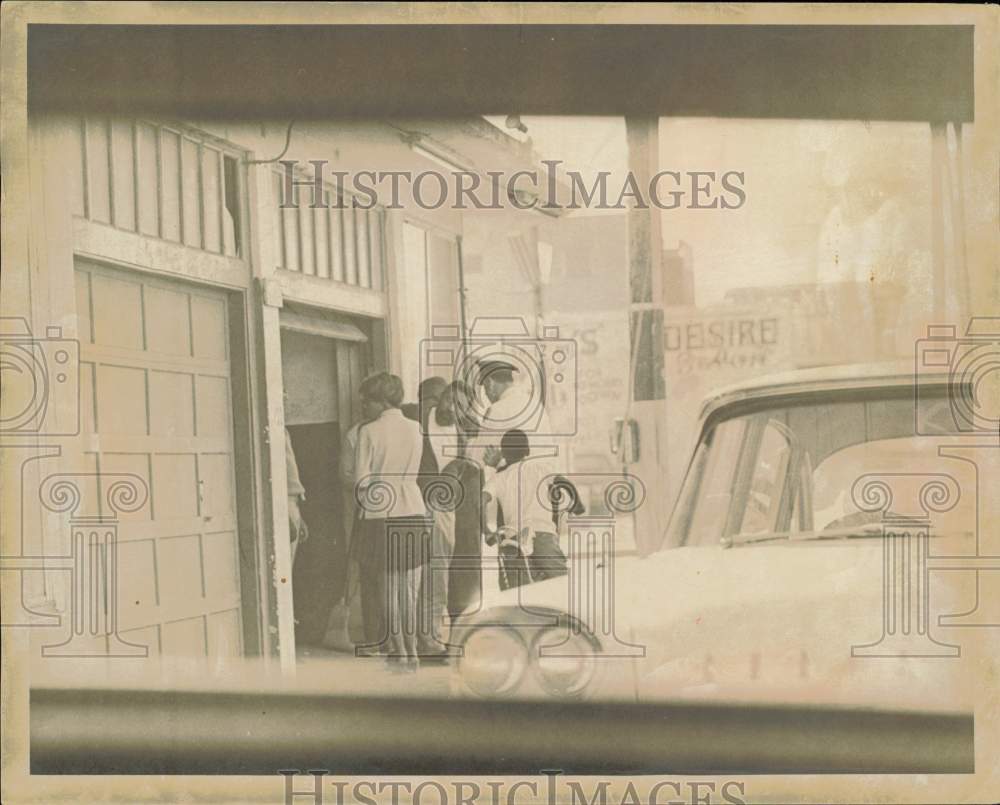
{"x":156,"y":402}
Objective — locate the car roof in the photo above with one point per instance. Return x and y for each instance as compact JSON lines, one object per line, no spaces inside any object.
{"x":893,"y":374}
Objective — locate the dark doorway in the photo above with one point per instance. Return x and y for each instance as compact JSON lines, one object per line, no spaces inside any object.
{"x":321,"y":561}
{"x":323,"y":359}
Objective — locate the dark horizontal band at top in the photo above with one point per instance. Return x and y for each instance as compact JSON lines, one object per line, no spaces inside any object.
{"x":866,"y":72}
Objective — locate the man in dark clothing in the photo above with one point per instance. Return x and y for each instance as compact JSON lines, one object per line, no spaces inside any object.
{"x":456,"y":579}
{"x":428,"y":394}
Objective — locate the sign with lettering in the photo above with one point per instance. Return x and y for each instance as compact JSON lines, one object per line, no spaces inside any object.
{"x":722,"y":343}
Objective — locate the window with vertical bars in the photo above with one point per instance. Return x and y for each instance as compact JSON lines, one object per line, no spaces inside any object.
{"x":158,"y":181}
{"x":335,"y":240}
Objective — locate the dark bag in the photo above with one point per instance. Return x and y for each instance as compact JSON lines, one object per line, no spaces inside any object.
{"x":514,"y":568}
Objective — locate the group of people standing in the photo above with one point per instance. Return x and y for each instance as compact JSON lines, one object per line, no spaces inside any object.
{"x":419,"y":564}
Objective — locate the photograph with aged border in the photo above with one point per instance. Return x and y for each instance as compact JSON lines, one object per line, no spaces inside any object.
{"x":500,"y":403}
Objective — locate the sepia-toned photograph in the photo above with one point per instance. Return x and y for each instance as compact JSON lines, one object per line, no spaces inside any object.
{"x":500,"y":403}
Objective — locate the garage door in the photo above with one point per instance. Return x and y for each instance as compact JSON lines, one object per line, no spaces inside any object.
{"x":156,"y":402}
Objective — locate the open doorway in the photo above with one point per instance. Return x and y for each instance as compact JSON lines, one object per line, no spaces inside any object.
{"x":323,"y":363}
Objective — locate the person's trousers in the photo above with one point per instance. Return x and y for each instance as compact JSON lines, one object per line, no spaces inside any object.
{"x":404,"y":592}
{"x":390,"y":557}
{"x":434,"y":585}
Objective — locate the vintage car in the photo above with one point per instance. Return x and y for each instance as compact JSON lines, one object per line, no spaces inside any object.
{"x":797,"y":567}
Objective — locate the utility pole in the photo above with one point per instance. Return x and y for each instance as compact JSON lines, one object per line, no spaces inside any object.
{"x":647,"y":404}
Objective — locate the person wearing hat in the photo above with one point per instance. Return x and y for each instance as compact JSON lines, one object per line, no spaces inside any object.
{"x":496,"y":377}
{"x":510,"y":406}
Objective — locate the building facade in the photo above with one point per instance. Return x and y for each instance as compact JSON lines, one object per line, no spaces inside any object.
{"x":211,"y":316}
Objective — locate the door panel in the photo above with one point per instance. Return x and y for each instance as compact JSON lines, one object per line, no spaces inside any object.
{"x":156,"y":355}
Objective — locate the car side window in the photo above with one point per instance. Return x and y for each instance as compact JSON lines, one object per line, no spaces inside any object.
{"x":767,"y":482}
{"x":802,"y":511}
{"x":715,"y":490}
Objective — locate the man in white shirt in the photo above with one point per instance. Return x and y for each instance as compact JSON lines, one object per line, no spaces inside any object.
{"x":511,"y":405}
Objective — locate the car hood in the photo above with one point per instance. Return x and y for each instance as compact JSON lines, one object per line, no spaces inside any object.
{"x":783,"y":620}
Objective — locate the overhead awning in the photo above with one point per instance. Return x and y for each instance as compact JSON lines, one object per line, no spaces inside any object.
{"x":328,"y":326}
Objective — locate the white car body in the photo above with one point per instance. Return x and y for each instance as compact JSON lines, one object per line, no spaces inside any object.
{"x":775,"y":619}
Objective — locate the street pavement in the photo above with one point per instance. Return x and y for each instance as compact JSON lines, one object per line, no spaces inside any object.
{"x":345,"y":671}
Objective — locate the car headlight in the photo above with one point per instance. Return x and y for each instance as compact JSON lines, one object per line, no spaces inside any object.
{"x":493,"y":661}
{"x":565,"y":661}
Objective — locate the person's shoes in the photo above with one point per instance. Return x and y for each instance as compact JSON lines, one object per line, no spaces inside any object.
{"x":434,"y":657}
{"x":395,"y":664}
{"x":369,"y":651}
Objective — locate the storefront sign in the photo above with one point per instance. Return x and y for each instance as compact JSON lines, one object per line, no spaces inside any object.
{"x":722,"y":343}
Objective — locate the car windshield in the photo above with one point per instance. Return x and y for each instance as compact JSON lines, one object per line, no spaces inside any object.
{"x":794,"y":469}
